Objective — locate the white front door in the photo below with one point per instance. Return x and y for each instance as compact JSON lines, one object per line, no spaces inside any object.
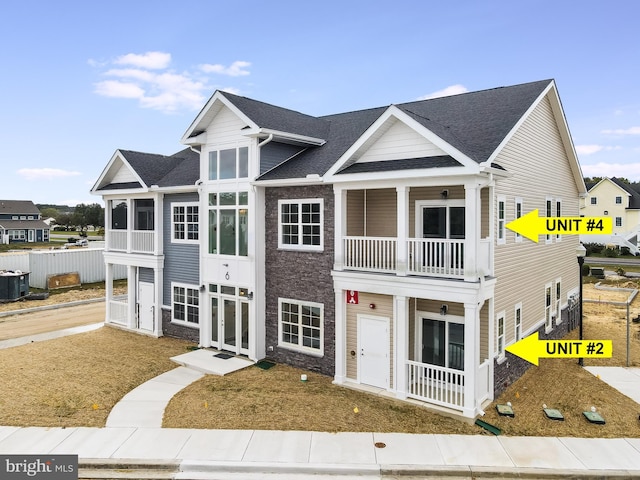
{"x":373,"y":351}
{"x":230,"y":323}
{"x":146,"y":306}
{"x":31,"y":232}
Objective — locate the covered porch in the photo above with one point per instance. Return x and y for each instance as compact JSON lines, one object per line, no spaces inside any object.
{"x":436,"y":352}
{"x":437,"y":231}
{"x":133,"y":225}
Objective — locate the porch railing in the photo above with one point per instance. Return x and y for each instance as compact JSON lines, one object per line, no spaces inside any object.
{"x":436,"y":257}
{"x":482,"y":382}
{"x":440,"y":385}
{"x":142,"y":241}
{"x":373,"y":254}
{"x":118,"y":311}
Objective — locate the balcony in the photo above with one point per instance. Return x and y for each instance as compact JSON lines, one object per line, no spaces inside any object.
{"x":134,"y":241}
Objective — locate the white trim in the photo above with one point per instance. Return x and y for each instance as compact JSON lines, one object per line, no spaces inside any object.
{"x":516,"y":308}
{"x":548,"y":314}
{"x":118,"y":155}
{"x":300,"y":246}
{"x":500,"y":350}
{"x":185,"y":240}
{"x":280,"y":135}
{"x":318,"y":352}
{"x":185,"y":323}
{"x":501,"y":222}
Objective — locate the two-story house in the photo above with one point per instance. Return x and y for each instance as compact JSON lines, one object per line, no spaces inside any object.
{"x":20,"y":221}
{"x":611,"y":197}
{"x":368,"y":245}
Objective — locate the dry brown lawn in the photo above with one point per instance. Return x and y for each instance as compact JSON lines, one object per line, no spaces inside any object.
{"x":76,"y":380}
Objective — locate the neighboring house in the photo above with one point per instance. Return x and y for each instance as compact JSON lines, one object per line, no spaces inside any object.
{"x":20,"y":221}
{"x":613,"y":198}
{"x":368,"y":245}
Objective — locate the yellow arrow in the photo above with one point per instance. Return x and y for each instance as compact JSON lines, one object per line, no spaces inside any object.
{"x":531,"y":225}
{"x":532,"y":349}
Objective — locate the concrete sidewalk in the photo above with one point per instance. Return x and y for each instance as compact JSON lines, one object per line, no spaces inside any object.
{"x":202,"y":453}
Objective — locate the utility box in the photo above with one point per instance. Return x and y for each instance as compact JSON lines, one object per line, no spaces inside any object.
{"x":13,"y":285}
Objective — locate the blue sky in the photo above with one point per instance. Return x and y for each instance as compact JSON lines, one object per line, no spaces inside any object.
{"x":82,"y":79}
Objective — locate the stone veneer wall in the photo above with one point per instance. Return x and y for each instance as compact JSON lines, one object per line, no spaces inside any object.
{"x":178,"y":331}
{"x":304,"y":276}
{"x":512,"y":367}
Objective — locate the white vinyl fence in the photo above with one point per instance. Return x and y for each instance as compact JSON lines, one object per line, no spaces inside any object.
{"x":88,"y":262}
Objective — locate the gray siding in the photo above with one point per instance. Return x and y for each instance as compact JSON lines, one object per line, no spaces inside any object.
{"x":274,"y":153}
{"x":181,"y":261}
{"x":145,"y":275}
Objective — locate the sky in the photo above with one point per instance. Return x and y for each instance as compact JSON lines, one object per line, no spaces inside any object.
{"x":81,"y":79}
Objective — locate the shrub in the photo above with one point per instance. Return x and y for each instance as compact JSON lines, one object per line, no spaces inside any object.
{"x":593,"y":248}
{"x":620,"y":271}
{"x":625,"y":251}
{"x":586,"y":270}
{"x":610,"y":252}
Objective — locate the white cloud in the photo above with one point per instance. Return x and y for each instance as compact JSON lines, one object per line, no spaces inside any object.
{"x":150,"y":60}
{"x":45,"y":173}
{"x":621,"y":131}
{"x":591,"y":149}
{"x":445,"y":92}
{"x":236,"y":69}
{"x":148,"y":79}
{"x":232,"y":90}
{"x":118,"y":89}
{"x":602,"y":169}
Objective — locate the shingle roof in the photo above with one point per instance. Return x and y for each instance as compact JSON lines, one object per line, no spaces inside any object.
{"x":24,"y":207}
{"x":405,"y":164}
{"x":474,"y":123}
{"x":181,"y":168}
{"x":23,"y":224}
{"x":634,"y":196}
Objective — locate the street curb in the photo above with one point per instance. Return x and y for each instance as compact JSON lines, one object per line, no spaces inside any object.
{"x":51,"y":307}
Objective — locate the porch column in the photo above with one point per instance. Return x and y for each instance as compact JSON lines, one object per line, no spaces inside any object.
{"x":158,"y":224}
{"x":107,"y":224}
{"x":340,"y":225}
{"x":157,"y":310}
{"x":402,"y":230}
{"x":471,"y":352}
{"x":108,"y":286}
{"x":401,"y":344}
{"x":130,"y":224}
{"x":471,"y":231}
{"x":340,"y":338}
{"x":132,"y":303}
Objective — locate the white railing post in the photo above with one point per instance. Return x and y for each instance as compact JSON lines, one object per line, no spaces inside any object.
{"x":340,"y":338}
{"x":402,"y":220}
{"x":340,"y":226}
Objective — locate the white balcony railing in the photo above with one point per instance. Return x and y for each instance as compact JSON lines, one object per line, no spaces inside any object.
{"x":439,"y":385}
{"x":372,"y":254}
{"x":436,"y":257}
{"x":142,"y":241}
{"x":118,"y":311}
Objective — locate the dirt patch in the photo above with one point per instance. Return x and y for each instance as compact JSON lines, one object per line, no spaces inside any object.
{"x":62,"y":297}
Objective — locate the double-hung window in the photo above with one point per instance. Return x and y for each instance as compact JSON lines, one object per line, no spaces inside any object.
{"x":184,"y":223}
{"x":502,"y":217}
{"x":518,"y":321}
{"x":547,"y":307}
{"x":300,"y":326}
{"x":185,"y":304}
{"x":500,"y":337}
{"x":300,"y":224}
{"x":518,"y":214}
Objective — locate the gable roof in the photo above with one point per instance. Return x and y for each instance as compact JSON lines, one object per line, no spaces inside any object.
{"x":474,"y":124}
{"x":18,"y":207}
{"x":180,"y":169}
{"x":634,"y":196}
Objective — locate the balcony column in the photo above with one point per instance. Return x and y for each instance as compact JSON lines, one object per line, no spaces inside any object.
{"x":340,"y":338}
{"x":340,"y":225}
{"x":130,"y":224}
{"x":108,"y":285}
{"x":471,"y":231}
{"x":402,"y":259}
{"x":401,"y":344}
{"x":108,"y":224}
{"x":471,"y":352}
{"x":158,"y":224}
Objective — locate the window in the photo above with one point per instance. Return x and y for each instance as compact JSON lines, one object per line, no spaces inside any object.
{"x":119,"y":214}
{"x":558,"y":312}
{"x":228,"y":223}
{"x":547,"y":307}
{"x":143,"y":210}
{"x":618,"y":200}
{"x":518,"y":321}
{"x":300,"y":326}
{"x":300,"y":224}
{"x":45,"y":235}
{"x":184,"y":304}
{"x":443,"y":343}
{"x":594,"y":200}
{"x":618,"y":221}
{"x":518,"y":214}
{"x":229,"y":164}
{"x":500,"y":342}
{"x":558,"y":214}
{"x":549,"y":214}
{"x":501,"y":221}
{"x":184,"y":223}
{"x":17,"y":235}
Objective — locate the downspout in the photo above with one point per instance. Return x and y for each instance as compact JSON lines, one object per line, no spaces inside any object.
{"x":266,"y":140}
